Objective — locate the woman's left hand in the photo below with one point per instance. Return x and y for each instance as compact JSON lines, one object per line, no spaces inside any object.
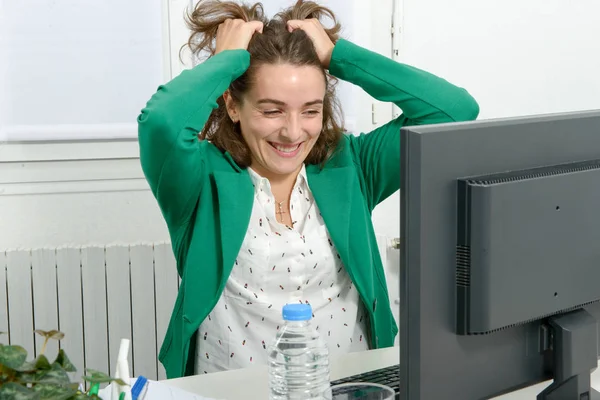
{"x":315,"y":31}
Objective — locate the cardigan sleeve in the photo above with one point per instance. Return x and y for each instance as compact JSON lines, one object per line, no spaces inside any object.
{"x":171,"y":155}
{"x":423,"y":98}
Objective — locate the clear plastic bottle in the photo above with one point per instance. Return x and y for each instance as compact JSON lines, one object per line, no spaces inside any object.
{"x":298,"y":359}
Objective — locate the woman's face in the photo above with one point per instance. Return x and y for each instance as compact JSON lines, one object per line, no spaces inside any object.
{"x":281,"y":117}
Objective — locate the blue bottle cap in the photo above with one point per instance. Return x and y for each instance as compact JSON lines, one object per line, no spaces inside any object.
{"x":297,"y":312}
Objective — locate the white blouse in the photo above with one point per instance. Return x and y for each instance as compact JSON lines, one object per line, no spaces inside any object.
{"x":278,"y":265}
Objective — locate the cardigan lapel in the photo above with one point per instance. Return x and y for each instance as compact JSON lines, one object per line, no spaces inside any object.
{"x":331,"y":188}
{"x":235,"y":197}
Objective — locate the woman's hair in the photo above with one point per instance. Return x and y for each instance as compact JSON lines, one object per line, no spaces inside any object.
{"x":274,"y":46}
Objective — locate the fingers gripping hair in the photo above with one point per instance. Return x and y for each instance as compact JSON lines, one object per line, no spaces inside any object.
{"x":204,"y":19}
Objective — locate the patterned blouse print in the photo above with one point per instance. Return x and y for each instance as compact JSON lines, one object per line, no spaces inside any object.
{"x":278,"y":265}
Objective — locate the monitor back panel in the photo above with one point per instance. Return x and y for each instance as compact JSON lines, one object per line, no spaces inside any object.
{"x":528,"y":245}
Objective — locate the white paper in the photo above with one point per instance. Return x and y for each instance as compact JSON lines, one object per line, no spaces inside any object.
{"x":156,"y":391}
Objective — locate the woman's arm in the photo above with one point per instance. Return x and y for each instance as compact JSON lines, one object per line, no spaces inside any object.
{"x":171,"y":154}
{"x":423,"y":98}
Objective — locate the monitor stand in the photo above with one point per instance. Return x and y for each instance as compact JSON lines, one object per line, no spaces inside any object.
{"x":574,"y":341}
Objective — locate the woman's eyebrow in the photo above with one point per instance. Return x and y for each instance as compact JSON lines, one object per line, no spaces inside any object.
{"x":281,"y":103}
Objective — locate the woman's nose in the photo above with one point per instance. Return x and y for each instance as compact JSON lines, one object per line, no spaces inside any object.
{"x":293,"y":128}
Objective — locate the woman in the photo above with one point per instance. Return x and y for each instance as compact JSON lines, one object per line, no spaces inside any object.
{"x":273,"y":204}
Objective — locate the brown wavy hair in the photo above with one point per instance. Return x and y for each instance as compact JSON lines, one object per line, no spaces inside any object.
{"x":276,"y":45}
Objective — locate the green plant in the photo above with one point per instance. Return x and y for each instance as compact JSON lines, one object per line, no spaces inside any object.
{"x":41,"y":379}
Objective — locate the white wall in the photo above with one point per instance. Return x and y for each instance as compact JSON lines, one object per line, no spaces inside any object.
{"x":59,"y":194}
{"x":72,"y":62}
{"x":516,"y":57}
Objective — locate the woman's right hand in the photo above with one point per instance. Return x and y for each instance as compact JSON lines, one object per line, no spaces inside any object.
{"x":234,"y":34}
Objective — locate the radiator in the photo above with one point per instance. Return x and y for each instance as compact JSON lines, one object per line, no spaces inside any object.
{"x":95,"y":296}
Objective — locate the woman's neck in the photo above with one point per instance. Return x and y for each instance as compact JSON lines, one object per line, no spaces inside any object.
{"x":281,"y":185}
{"x":282,"y":188}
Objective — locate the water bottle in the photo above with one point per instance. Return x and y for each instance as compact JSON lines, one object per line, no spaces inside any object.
{"x":298,"y":359}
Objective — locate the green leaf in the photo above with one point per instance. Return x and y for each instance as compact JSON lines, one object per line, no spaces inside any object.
{"x":53,"y":334}
{"x":12,"y":356}
{"x":74,"y":386}
{"x":64,"y":362}
{"x":83,"y":396}
{"x":27,"y":377}
{"x":56,"y":375}
{"x":28,"y":366}
{"x":100,"y":377}
{"x":7,"y":374}
{"x":48,"y":391}
{"x":14,"y":391}
{"x":42,"y":362}
{"x":94,"y":376}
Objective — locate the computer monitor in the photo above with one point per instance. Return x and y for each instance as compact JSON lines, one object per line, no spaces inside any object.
{"x":500,"y":264}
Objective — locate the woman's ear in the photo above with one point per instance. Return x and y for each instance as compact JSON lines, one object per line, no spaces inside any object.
{"x":231,"y":106}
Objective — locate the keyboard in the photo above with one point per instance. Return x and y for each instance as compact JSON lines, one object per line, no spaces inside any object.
{"x":389,"y":376}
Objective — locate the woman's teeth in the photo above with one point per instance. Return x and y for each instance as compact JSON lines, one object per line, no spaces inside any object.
{"x":285,"y":149}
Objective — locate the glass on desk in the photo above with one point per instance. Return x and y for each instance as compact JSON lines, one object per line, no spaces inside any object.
{"x":360,"y":391}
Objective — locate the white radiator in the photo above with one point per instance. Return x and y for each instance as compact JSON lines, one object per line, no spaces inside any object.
{"x":96,"y":296}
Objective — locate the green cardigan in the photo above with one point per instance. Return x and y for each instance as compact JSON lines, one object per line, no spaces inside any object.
{"x":206,"y":199}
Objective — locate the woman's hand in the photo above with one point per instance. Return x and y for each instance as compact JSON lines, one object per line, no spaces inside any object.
{"x":235,"y":34}
{"x":315,"y":31}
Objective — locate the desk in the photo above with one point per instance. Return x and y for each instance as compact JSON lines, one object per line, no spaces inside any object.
{"x":253,"y":382}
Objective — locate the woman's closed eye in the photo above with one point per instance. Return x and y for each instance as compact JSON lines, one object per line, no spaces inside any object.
{"x":312,"y":112}
{"x":271,"y":113}
{"x":274,"y":113}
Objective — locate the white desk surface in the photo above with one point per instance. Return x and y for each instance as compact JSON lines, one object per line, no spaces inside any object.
{"x":252,"y":383}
